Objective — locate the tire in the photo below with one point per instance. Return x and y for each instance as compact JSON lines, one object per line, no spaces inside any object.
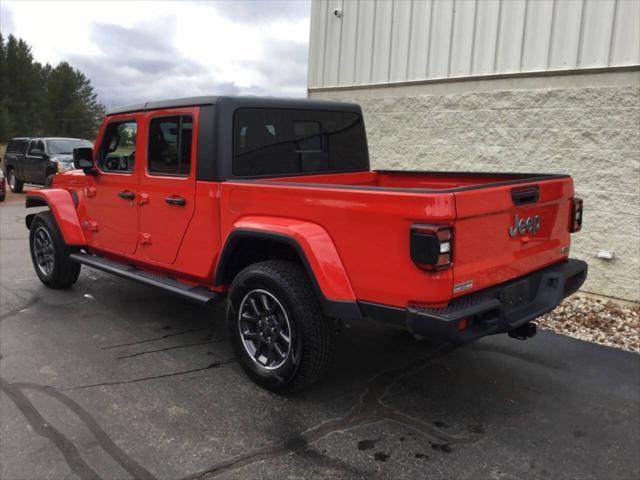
{"x":14,"y":184}
{"x":296,"y":312}
{"x":49,"y":253}
{"x":2,"y":196}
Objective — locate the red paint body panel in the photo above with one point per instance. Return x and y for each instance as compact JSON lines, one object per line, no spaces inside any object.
{"x":483,"y":250}
{"x":355,"y":239}
{"x":165,"y":224}
{"x":116,"y":218}
{"x":318,"y":248}
{"x":370,"y":231}
{"x":61,"y":205}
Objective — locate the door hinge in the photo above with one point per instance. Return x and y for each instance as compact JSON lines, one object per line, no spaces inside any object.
{"x":89,"y":191}
{"x":143,"y":198}
{"x":89,"y":225}
{"x":145,"y":238}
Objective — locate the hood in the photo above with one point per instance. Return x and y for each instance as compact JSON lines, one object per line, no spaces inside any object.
{"x":63,"y":157}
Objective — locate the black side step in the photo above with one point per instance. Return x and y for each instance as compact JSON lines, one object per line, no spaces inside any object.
{"x":196,"y":294}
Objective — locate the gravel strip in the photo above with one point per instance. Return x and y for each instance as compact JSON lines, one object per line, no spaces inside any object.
{"x":595,"y":320}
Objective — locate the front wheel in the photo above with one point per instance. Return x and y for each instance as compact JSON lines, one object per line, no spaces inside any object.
{"x":49,"y":253}
{"x":276,"y":326}
{"x":14,"y":184}
{"x":49,"y":180}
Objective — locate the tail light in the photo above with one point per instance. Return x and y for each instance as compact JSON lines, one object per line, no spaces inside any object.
{"x":431,"y":246}
{"x":576,"y":216}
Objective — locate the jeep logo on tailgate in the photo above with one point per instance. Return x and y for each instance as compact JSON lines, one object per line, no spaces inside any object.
{"x":521,"y":225}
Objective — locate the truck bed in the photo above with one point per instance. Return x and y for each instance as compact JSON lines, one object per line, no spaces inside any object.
{"x":416,"y":181}
{"x":368,"y":216}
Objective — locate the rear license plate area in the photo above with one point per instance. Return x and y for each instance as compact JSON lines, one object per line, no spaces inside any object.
{"x":515,"y":295}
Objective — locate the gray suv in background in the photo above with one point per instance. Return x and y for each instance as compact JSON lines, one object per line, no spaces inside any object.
{"x":37,"y":160}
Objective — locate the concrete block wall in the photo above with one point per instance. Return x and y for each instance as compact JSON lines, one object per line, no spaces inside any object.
{"x":592,"y":133}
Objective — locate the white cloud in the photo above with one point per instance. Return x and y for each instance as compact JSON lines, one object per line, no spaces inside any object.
{"x":135,"y":51}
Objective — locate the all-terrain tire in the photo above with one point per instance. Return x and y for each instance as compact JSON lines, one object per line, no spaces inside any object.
{"x":58,"y":271}
{"x":312,"y":337}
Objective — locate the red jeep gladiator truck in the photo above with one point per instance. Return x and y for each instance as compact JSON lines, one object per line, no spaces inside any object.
{"x":271,"y":204}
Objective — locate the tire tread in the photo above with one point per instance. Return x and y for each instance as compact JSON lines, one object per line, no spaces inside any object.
{"x":68,"y":271}
{"x":318,"y":338}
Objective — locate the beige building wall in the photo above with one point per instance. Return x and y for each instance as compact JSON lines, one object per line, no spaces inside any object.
{"x":586,"y":125}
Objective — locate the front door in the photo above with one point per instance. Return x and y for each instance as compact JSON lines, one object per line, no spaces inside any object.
{"x":111,"y":209}
{"x":167,"y":184}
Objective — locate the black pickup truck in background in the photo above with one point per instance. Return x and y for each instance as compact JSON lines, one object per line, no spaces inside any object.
{"x":37,"y":160}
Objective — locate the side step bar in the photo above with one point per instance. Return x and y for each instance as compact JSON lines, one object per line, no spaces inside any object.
{"x":196,"y":294}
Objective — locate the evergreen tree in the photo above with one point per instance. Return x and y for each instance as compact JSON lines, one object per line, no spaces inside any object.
{"x":5,"y":125}
{"x":71,"y":104}
{"x":37,"y":100}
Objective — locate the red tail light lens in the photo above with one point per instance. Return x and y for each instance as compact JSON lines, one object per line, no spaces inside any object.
{"x":431,"y":246}
{"x":576,"y":216}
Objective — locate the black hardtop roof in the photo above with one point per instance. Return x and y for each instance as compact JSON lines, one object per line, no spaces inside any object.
{"x":238,"y":102}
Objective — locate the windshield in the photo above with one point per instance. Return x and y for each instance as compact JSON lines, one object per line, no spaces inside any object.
{"x":65,"y":146}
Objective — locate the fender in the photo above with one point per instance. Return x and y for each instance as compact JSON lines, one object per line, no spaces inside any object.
{"x":63,"y":208}
{"x":316,"y":250}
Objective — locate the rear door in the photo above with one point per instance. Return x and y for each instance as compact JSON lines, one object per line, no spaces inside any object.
{"x":507,"y":231}
{"x":168,"y":181}
{"x":32,"y":160}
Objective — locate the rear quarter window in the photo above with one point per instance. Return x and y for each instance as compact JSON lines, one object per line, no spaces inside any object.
{"x":273,"y":141}
{"x":16,"y":146}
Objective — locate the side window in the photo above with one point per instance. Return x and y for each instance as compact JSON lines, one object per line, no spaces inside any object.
{"x":117,"y":151}
{"x":170,"y":145}
{"x":36,"y":145}
{"x":16,"y":146}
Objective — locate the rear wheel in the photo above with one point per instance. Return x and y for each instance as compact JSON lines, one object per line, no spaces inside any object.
{"x":14,"y":184}
{"x":276,"y":326}
{"x":49,"y":253}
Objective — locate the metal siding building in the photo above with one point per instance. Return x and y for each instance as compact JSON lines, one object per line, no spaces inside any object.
{"x":501,"y":85}
{"x":377,"y":42}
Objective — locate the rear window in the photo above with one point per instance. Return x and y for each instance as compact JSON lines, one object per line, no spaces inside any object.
{"x":273,"y":141}
{"x":17,"y":146}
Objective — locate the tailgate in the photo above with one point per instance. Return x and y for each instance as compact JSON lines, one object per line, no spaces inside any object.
{"x":503,"y":232}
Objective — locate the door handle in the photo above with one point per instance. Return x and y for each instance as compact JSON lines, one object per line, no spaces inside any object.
{"x":177,"y":201}
{"x":127,"y":195}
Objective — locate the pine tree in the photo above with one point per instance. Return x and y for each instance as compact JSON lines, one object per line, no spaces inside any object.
{"x":5,"y":124}
{"x":37,"y":100}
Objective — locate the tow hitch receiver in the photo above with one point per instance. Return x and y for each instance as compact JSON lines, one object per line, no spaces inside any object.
{"x":525,"y":331}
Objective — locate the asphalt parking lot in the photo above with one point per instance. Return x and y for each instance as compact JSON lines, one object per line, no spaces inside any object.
{"x":115,"y":380}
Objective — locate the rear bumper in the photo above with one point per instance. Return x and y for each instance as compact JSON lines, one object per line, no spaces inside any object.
{"x":497,"y":309}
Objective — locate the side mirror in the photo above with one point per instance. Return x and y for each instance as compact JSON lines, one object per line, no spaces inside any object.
{"x":83,"y":160}
{"x":36,"y":152}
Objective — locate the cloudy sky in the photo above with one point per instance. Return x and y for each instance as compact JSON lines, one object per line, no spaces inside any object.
{"x":138,"y":51}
